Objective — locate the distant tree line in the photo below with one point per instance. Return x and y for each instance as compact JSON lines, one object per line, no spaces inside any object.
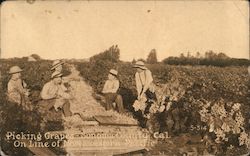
{"x":209,"y":59}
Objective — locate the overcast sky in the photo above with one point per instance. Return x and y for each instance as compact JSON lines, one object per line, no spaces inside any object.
{"x":80,"y":29}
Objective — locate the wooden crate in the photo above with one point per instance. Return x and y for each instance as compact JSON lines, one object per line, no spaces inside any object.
{"x":110,"y":120}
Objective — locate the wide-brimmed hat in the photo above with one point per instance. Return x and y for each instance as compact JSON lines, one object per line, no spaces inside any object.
{"x":56,"y":63}
{"x":113,"y":72}
{"x":15,"y":69}
{"x":140,"y":64}
{"x":56,"y":74}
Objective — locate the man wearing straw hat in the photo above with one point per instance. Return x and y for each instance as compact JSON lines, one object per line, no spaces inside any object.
{"x":110,"y":89}
{"x":57,"y":66}
{"x":145,"y":93}
{"x":144,"y":81}
{"x":53,"y":90}
{"x":17,"y":91}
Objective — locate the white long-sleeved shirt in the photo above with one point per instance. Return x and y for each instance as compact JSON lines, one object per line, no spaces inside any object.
{"x":143,"y":81}
{"x":51,"y":90}
{"x":111,"y":86}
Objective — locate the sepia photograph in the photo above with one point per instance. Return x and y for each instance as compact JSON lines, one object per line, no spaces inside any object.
{"x":124,"y":78}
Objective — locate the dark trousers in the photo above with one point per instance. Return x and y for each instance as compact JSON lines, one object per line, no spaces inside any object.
{"x":144,"y":121}
{"x":47,"y":105}
{"x":66,"y":109}
{"x":150,"y":97}
{"x":111,"y":98}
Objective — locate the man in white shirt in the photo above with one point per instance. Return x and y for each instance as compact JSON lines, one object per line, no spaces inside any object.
{"x":110,"y":89}
{"x":145,"y":93}
{"x":54,"y":90}
{"x":144,"y":82}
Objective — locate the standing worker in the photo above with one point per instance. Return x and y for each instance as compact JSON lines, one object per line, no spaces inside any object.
{"x":144,"y":82}
{"x":145,"y":93}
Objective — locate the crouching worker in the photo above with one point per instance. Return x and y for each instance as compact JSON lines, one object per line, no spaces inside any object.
{"x":55,"y":93}
{"x":17,"y":89}
{"x":110,"y":89}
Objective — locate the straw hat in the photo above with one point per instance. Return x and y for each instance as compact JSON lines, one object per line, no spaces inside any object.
{"x":15,"y":69}
{"x":56,"y":63}
{"x":113,"y":72}
{"x":56,"y":74}
{"x":140,"y":64}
